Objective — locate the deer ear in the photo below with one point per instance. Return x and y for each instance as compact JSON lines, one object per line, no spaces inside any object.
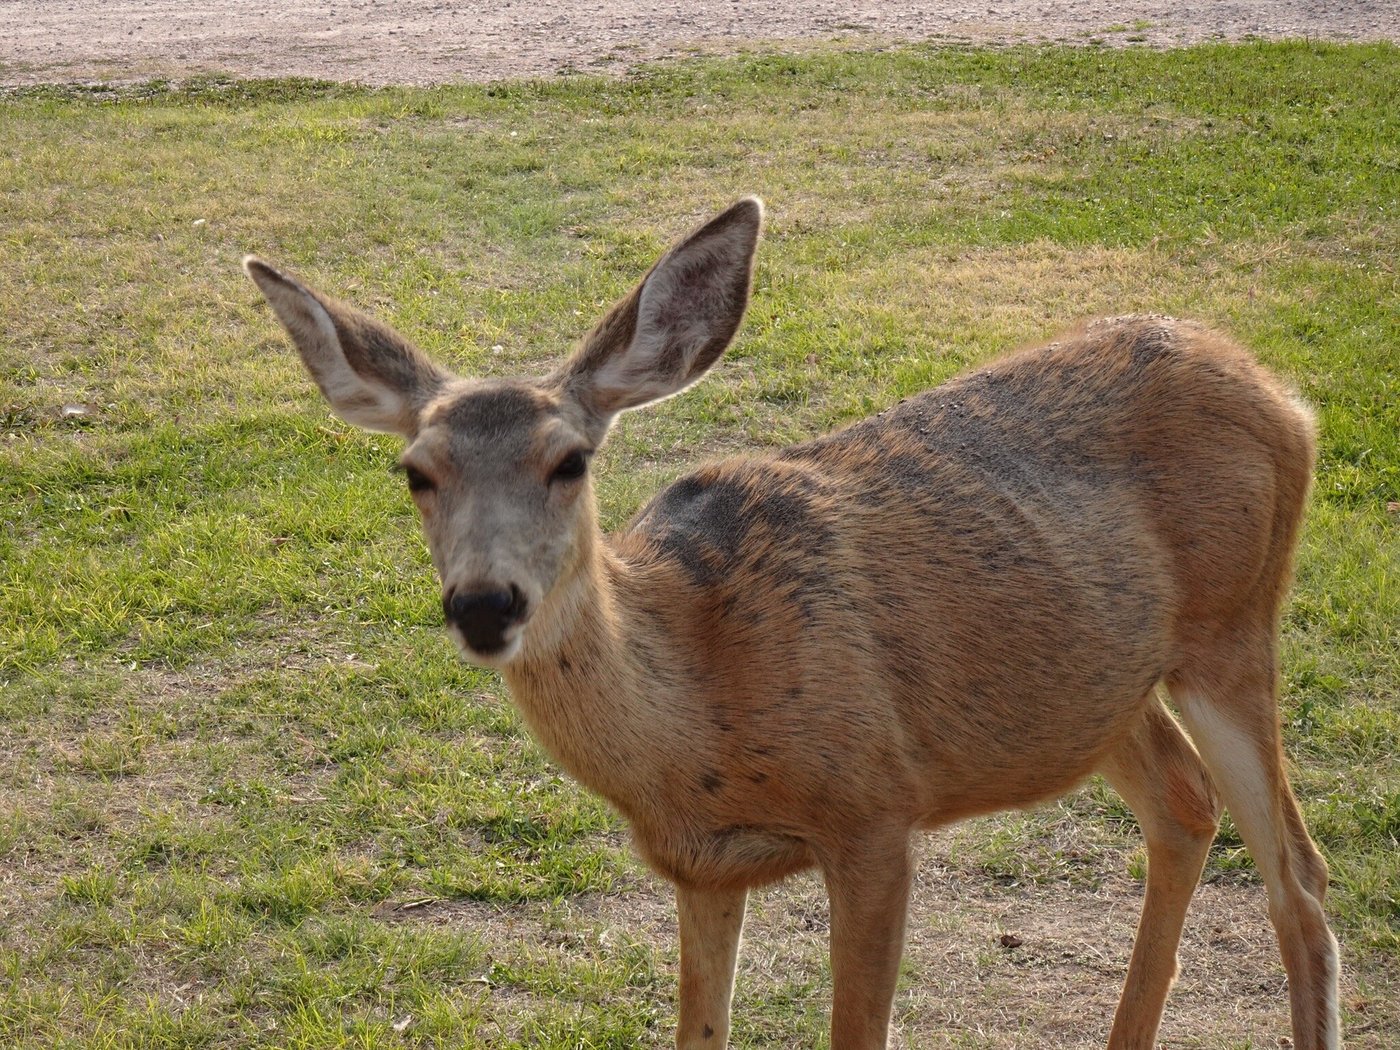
{"x":372,"y":376}
{"x":674,"y":325}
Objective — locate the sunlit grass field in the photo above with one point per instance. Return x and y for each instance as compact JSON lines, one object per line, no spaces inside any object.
{"x":249,"y":797}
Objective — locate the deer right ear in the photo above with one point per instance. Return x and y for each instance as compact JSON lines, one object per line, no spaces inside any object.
{"x":372,"y":376}
{"x":674,"y":325}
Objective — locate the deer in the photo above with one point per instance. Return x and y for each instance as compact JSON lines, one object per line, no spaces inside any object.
{"x":969,"y":602}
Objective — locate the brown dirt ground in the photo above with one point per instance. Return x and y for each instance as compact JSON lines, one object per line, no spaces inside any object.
{"x":432,"y":41}
{"x":961,"y":986}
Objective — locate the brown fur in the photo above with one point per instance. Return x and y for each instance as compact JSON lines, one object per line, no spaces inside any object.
{"x":960,"y":605}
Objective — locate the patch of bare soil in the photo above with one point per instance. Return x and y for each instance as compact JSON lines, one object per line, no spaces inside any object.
{"x":988,"y":964}
{"x":432,"y":41}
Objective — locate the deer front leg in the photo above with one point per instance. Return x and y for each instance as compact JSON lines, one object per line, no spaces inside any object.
{"x":710,"y":922}
{"x":869,"y":894}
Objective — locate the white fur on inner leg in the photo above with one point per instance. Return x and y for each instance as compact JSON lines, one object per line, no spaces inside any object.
{"x":1232,"y":756}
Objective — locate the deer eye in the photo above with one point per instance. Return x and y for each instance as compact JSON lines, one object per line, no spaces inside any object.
{"x":570,"y":468}
{"x":417,"y":480}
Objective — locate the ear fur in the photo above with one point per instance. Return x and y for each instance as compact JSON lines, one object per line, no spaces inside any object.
{"x":372,"y":376}
{"x":671,"y":328}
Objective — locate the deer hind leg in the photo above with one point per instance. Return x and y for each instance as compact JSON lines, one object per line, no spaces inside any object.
{"x":1229,"y":703}
{"x":1161,"y":778}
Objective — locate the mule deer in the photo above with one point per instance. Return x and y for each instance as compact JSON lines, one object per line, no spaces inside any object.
{"x":963,"y":604}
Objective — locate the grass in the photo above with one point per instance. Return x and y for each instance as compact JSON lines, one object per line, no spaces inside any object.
{"x":247,"y":795}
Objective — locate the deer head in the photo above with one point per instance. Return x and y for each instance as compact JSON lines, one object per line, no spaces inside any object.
{"x":499,"y":468}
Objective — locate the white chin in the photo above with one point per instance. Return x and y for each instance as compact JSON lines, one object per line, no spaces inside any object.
{"x":497,"y":658}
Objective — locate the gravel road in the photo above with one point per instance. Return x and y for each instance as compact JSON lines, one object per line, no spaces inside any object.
{"x":430,"y":41}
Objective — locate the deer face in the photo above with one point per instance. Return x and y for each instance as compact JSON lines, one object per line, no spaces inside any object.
{"x":499,"y":473}
{"x":499,"y":467}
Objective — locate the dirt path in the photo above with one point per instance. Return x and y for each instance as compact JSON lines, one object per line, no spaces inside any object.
{"x":429,"y":41}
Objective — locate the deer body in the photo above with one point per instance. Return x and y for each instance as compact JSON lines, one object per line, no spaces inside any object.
{"x":963,"y":604}
{"x":852,"y":680}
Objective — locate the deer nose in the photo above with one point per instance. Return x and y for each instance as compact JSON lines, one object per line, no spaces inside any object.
{"x":484,"y":616}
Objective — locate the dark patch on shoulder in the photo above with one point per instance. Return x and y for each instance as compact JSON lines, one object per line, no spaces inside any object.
{"x":711,"y":781}
{"x":708,"y":1032}
{"x":706,"y":521}
{"x":677,"y":500}
{"x":683,"y":520}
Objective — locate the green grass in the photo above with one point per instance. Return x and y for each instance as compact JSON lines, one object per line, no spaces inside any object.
{"x":233,"y":742}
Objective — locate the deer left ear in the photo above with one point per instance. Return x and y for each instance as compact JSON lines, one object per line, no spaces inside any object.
{"x":372,"y":376}
{"x":675,"y":325}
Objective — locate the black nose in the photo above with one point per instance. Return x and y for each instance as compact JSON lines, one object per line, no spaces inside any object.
{"x":484,"y":616}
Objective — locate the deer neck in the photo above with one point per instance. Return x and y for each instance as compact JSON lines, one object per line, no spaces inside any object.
{"x":583,"y":681}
